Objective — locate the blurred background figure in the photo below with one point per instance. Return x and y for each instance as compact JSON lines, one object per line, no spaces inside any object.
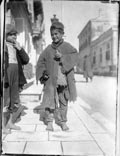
{"x":87,"y":68}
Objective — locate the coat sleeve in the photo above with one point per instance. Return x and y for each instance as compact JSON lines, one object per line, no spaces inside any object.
{"x":41,"y":67}
{"x":23,"y":56}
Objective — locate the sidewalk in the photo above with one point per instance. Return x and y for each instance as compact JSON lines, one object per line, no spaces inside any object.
{"x":85,"y":136}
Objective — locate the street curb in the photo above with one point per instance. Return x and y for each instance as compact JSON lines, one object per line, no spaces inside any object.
{"x":86,"y":118}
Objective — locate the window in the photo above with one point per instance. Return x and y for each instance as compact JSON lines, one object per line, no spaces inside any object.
{"x":100,"y":28}
{"x":108,"y":52}
{"x":108,"y":46}
{"x":107,"y":55}
{"x":100,"y":55}
{"x":89,"y":40}
{"x":94,"y":58}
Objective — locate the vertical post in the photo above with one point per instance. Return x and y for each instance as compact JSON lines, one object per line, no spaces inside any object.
{"x":117,"y":143}
{"x":2,"y":35}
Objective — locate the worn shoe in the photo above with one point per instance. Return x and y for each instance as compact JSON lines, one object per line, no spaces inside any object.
{"x":64,"y":127}
{"x":50,"y":126}
{"x":6,"y":131}
{"x":13,"y":126}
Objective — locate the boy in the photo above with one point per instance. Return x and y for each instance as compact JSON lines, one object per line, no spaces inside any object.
{"x":55,"y":69}
{"x":14,"y":58}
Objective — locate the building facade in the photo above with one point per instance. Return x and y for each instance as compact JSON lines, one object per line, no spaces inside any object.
{"x":84,"y":44}
{"x":104,"y":53}
{"x":99,"y":41}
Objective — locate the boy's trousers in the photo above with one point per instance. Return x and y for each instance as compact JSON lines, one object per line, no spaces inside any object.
{"x":60,"y":112}
{"x":13,"y":93}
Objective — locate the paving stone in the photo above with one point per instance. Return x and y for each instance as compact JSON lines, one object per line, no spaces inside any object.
{"x":77,"y":127}
{"x":27,"y":136}
{"x":106,"y":143}
{"x":69,"y":136}
{"x":13,"y":147}
{"x":46,"y":148}
{"x":34,"y":89}
{"x":74,"y":123}
{"x":30,"y":114}
{"x":27,"y":128}
{"x":29,"y":121}
{"x":31,"y":104}
{"x":81,"y":148}
{"x":29,"y":97}
{"x":41,"y":128}
{"x":72,"y":117}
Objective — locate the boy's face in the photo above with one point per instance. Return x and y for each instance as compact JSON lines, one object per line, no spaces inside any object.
{"x":11,"y":38}
{"x":56,"y":35}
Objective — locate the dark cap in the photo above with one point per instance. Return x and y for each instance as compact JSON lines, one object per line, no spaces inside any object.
{"x":57,"y":25}
{"x":10,"y":29}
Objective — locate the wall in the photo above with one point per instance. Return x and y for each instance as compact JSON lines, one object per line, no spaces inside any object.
{"x":104,"y":50}
{"x":17,"y":14}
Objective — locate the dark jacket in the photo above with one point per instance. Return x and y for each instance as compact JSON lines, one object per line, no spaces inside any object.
{"x":23,"y":59}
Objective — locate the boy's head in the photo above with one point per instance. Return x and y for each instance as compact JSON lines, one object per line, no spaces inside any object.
{"x":57,"y":31}
{"x":57,"y":25}
{"x":11,"y":33}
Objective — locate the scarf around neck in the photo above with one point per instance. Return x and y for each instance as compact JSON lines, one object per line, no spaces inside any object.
{"x":55,"y":46}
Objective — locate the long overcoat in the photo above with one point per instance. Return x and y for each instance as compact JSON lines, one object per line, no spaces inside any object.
{"x":46,"y":62}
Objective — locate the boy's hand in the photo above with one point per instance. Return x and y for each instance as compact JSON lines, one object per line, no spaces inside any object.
{"x":58,"y":54}
{"x":17,"y":46}
{"x":44,"y":78}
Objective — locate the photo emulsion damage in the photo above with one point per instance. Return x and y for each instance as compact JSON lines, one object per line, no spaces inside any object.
{"x":60,"y":77}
